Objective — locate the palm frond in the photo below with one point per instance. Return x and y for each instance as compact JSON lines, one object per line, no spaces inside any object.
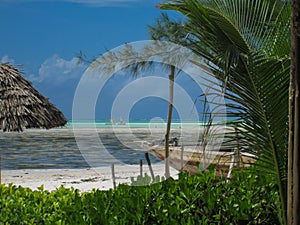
{"x":246,"y":46}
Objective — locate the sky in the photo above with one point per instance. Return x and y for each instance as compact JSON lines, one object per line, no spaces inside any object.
{"x":43,"y":38}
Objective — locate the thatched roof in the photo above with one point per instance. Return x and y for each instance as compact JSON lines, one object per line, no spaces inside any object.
{"x":22,"y":106}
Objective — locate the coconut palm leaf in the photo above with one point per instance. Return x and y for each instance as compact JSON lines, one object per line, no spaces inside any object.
{"x":246,"y":44}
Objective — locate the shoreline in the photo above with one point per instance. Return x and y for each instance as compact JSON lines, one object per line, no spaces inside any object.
{"x":84,"y":180}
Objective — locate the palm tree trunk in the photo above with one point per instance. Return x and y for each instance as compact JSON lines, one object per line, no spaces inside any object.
{"x":293,"y":208}
{"x":169,"y":121}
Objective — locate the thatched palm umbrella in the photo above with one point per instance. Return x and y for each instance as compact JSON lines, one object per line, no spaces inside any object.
{"x":22,"y":106}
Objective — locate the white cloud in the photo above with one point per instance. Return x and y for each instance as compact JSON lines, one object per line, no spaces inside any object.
{"x":95,"y":3}
{"x":7,"y":59}
{"x":58,"y":70}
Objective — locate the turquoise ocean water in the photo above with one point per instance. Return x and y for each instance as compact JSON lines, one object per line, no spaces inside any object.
{"x":57,"y":148}
{"x":118,"y":123}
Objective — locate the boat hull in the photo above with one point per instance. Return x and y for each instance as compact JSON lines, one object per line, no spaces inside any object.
{"x":193,"y":160}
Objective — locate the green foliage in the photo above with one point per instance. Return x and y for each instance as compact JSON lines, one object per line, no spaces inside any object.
{"x":199,"y":199}
{"x":246,"y":46}
{"x":145,"y":180}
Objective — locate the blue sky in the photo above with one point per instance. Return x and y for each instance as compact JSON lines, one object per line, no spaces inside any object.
{"x":43,"y":37}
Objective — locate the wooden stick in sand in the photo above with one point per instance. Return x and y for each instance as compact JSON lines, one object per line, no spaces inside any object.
{"x":181,"y":158}
{"x":0,"y":168}
{"x":113,"y":175}
{"x":141,"y":167}
{"x":149,"y":164}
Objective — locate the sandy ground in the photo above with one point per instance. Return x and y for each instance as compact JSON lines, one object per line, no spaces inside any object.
{"x":82,"y":179}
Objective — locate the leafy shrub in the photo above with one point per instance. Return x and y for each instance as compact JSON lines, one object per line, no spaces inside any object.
{"x":198,"y":199}
{"x":145,"y":180}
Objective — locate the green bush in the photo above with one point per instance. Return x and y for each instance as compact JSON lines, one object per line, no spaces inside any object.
{"x":198,"y":199}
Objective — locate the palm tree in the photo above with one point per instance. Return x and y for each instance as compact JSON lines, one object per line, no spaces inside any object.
{"x":293,"y":150}
{"x":168,"y":30}
{"x":246,"y":44}
{"x":137,"y":61}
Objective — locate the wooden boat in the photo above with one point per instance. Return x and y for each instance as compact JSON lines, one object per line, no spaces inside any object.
{"x":113,"y":123}
{"x":193,"y":160}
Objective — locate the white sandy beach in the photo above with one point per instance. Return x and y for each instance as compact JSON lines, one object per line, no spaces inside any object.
{"x":82,"y":179}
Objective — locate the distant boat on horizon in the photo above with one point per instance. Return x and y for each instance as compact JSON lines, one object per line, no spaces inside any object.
{"x":112,"y":122}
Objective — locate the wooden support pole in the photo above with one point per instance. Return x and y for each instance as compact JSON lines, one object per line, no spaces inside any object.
{"x":149,"y":164}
